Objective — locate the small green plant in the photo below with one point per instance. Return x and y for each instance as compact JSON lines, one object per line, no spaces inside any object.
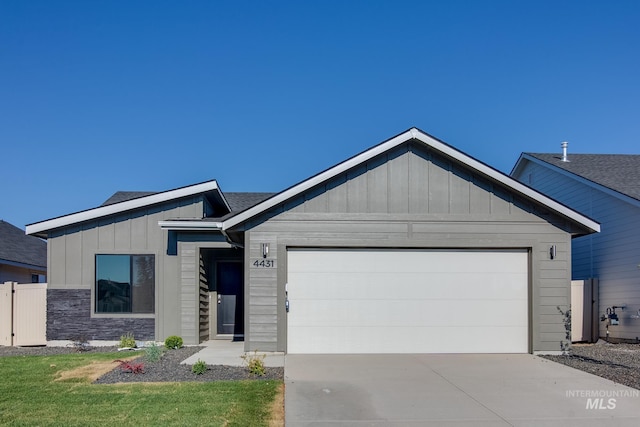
{"x":131,"y":367}
{"x":79,"y":343}
{"x":199,"y":367}
{"x":565,"y":346}
{"x":255,"y":363}
{"x":153,"y":352}
{"x":173,"y":342}
{"x":127,"y":341}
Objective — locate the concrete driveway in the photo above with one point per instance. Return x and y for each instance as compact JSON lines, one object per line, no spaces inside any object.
{"x":450,"y":390}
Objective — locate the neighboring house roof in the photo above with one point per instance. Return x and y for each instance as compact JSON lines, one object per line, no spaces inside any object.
{"x":209,"y":187}
{"x":18,"y":248}
{"x":431,"y":142}
{"x":618,"y":172}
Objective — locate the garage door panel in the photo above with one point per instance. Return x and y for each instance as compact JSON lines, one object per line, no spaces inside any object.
{"x":402,"y":286}
{"x":344,"y":301}
{"x":414,"y":313}
{"x":380,"y":261}
{"x":417,"y":340}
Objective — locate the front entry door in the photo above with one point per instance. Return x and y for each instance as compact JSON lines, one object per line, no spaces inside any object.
{"x":230,"y":298}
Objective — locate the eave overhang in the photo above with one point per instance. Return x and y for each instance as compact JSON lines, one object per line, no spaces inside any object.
{"x":40,"y":228}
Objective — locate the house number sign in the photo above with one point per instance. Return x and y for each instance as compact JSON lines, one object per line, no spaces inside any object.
{"x":264,"y":263}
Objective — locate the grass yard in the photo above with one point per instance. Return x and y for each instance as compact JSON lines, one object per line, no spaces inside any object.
{"x":57,"y":390}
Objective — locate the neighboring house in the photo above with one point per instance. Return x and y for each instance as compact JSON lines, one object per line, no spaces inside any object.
{"x":408,"y":247}
{"x":23,"y":258}
{"x":605,"y":187}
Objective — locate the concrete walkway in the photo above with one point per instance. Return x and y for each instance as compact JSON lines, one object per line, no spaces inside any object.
{"x":450,"y":390}
{"x":227,"y":352}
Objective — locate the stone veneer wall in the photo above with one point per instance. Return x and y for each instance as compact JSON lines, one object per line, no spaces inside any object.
{"x":69,"y":317}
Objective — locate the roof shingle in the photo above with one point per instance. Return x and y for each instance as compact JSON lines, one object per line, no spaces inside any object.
{"x":618,"y":172}
{"x":16,"y":246}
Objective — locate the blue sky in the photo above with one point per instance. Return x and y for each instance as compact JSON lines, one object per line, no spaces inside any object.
{"x":100,"y":96}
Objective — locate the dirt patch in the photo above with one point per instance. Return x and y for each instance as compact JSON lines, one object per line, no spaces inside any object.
{"x":92,"y":371}
{"x":277,"y":409}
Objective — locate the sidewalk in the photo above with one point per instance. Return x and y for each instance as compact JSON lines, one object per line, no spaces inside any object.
{"x":227,"y":352}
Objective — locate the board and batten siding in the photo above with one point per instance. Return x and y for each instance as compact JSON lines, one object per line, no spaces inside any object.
{"x":406,"y":198}
{"x":612,"y":256}
{"x":71,"y":260}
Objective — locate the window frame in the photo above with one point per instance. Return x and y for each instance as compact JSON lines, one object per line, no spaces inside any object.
{"x":94,"y":286}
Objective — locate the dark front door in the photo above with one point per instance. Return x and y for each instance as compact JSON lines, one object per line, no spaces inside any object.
{"x":230,"y":298}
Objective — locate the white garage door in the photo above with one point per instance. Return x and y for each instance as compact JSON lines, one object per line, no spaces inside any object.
{"x":407,"y":301}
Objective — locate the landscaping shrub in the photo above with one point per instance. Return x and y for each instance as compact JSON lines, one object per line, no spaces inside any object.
{"x":131,"y":367}
{"x":255,"y":363}
{"x":127,"y":341}
{"x":79,"y":343}
{"x":173,"y":342}
{"x":199,"y":367}
{"x":153,"y":352}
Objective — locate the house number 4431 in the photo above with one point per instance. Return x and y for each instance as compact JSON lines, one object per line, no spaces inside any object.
{"x":264,"y":263}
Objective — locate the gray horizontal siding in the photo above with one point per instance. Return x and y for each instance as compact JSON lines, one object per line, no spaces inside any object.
{"x":613,"y":255}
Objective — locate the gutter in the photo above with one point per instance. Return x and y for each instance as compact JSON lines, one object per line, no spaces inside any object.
{"x":197,"y":225}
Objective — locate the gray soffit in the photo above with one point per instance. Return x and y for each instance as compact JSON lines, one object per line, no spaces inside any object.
{"x":417,"y":135}
{"x":17,"y":247}
{"x":618,"y":172}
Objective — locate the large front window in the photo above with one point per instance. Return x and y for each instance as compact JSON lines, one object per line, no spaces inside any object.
{"x":125,"y":283}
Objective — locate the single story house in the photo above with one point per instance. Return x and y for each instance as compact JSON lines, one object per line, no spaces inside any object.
{"x":408,"y":247}
{"x":23,"y":259}
{"x":605,"y":187}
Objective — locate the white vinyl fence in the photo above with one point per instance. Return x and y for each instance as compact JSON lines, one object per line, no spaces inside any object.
{"x":23,"y":314}
{"x":585,"y":323}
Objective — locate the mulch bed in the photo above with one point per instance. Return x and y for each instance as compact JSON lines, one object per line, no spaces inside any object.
{"x":617,"y":362}
{"x":167,"y":369}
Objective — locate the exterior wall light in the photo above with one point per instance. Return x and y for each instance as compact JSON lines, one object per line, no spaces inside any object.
{"x":265,"y":250}
{"x":552,"y":252}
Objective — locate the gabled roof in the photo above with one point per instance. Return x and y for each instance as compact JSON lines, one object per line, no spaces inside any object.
{"x":242,"y":201}
{"x":618,"y":172}
{"x":123,"y":196}
{"x":419,"y":136}
{"x":238,"y":201}
{"x":18,"y":248}
{"x":210,"y":187}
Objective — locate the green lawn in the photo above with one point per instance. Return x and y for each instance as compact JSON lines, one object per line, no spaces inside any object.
{"x":30,"y":396}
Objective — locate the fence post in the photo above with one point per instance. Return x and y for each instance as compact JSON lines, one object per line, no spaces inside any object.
{"x":6,"y":314}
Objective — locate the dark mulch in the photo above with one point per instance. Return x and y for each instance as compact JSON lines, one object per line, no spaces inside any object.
{"x":617,"y":362}
{"x":167,"y":369}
